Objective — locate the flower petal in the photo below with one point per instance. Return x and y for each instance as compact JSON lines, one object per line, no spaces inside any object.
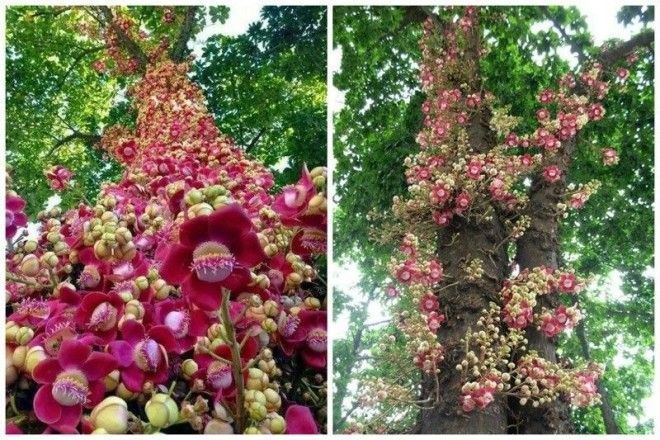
{"x":132,"y":331}
{"x":73,"y":353}
{"x":163,"y":335}
{"x":194,"y":231}
{"x":299,"y":420}
{"x":248,"y":250}
{"x":69,"y":420}
{"x":96,"y":393}
{"x":228,"y":224}
{"x":133,"y":378}
{"x":207,"y":296}
{"x":45,"y":406}
{"x":46,"y":371}
{"x":238,"y":280}
{"x":176,"y":266}
{"x":99,"y":365}
{"x":315,"y":360}
{"x":123,"y":352}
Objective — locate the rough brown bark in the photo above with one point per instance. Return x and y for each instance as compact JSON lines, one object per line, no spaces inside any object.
{"x":180,"y":47}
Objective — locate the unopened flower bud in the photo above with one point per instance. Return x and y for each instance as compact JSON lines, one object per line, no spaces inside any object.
{"x":188,"y":368}
{"x":161,"y":410}
{"x":30,"y":246}
{"x":34,"y":355}
{"x":24,"y":335}
{"x":257,"y":379}
{"x":30,"y":265}
{"x":273,"y":400}
{"x":111,"y":414}
{"x":142,"y":283}
{"x":161,"y":288}
{"x":215,"y":426}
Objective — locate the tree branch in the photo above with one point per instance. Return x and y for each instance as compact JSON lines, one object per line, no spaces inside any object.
{"x":178,"y":52}
{"x":611,"y":56}
{"x":254,"y":140}
{"x":88,"y":138}
{"x":76,"y":60}
{"x":582,"y":57}
{"x":124,"y":40}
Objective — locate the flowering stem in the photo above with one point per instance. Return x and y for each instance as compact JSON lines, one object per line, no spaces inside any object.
{"x":236,"y":363}
{"x":16,"y":279}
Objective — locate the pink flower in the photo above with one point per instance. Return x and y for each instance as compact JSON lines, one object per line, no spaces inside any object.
{"x":294,"y":199}
{"x":546,"y":96}
{"x":567,"y":283}
{"x":596,"y":112}
{"x":214,"y":252}
{"x":442,"y":218}
{"x":429,"y":303}
{"x":14,"y":216}
{"x":434,"y":320}
{"x":143,"y":355}
{"x":578,"y":200}
{"x":610,"y":156}
{"x":69,"y":382}
{"x":392,"y":291}
{"x":440,"y":194}
{"x":58,"y":177}
{"x":127,"y":151}
{"x":552,"y":173}
{"x":542,"y":114}
{"x":306,"y":332}
{"x":218,"y":375}
{"x":99,"y":313}
{"x":300,"y":420}
{"x":622,"y":73}
{"x":462,"y":202}
{"x":186,"y":323}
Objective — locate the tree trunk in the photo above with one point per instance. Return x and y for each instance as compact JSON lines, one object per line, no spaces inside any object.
{"x":539,"y":247}
{"x":463,"y":306}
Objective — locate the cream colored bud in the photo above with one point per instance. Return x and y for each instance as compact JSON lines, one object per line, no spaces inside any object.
{"x":111,"y":381}
{"x":161,"y":410}
{"x":215,"y":426}
{"x":273,"y":400}
{"x":24,"y":335}
{"x":30,"y":265}
{"x":34,"y":355}
{"x":111,"y":415}
{"x":188,"y":368}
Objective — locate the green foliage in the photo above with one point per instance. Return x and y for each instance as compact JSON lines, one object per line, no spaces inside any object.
{"x":376,"y":128}
{"x":267,"y":87}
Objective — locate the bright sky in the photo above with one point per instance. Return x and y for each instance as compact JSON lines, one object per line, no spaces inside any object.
{"x":602,"y":23}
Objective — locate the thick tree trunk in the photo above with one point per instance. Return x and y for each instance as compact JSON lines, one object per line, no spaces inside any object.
{"x":539,"y":247}
{"x":463,"y":306}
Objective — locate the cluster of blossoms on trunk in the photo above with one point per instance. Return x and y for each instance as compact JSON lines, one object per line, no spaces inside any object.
{"x":179,"y":296}
{"x":450,"y":183}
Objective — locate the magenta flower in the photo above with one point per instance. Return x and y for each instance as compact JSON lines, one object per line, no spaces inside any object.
{"x":213,"y":252}
{"x":99,"y":313}
{"x":58,"y":177}
{"x":143,"y":355}
{"x":293,"y":200}
{"x":307,"y":332}
{"x":14,"y":216}
{"x":185,"y":323}
{"x":69,"y":382}
{"x":217,"y":375}
{"x":300,"y":420}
